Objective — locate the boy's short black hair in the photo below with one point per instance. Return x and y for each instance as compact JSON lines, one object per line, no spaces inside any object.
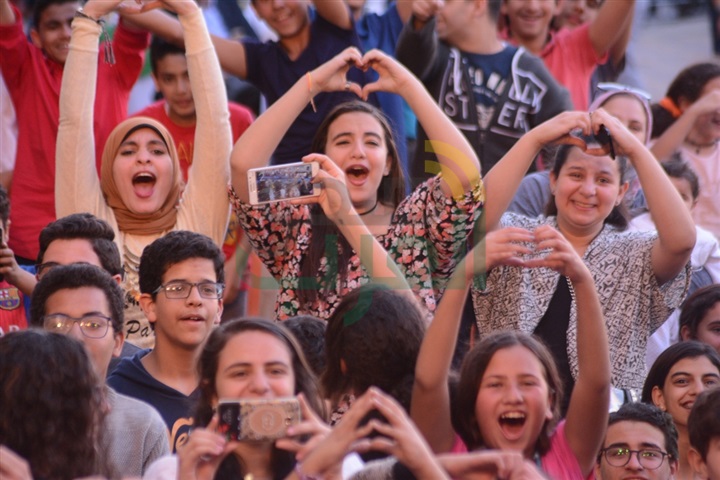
{"x":160,"y":48}
{"x":704,"y":421}
{"x":72,"y":277}
{"x":173,"y":248}
{"x":4,"y":207}
{"x":40,"y":6}
{"x":653,"y":416}
{"x":84,"y":226}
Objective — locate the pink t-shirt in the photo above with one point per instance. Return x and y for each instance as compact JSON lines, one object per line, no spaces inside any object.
{"x":571,"y":58}
{"x":559,"y":463}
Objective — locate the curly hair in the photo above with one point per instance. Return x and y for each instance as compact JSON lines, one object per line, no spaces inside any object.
{"x":52,"y":404}
{"x":373,"y":338}
{"x":282,"y":462}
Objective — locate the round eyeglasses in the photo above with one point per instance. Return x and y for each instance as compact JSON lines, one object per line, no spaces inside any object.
{"x":92,"y":326}
{"x":180,"y":290}
{"x":648,"y":458}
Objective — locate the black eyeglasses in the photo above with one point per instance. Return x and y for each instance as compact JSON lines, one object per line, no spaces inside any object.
{"x":92,"y":326}
{"x":180,"y":290}
{"x":648,"y":458}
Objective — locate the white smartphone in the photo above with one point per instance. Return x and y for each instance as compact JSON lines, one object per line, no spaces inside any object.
{"x":284,"y":182}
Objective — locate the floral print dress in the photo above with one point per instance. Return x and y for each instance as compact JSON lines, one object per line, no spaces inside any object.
{"x":427,"y":238}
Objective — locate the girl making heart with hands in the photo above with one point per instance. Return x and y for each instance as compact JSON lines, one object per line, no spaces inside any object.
{"x":313,"y":250}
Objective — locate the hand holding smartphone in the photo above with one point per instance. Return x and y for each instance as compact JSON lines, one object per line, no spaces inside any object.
{"x":257,"y":420}
{"x":284,"y":182}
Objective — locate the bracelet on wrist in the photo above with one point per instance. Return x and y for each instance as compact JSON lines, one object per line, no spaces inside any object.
{"x":107,"y":46}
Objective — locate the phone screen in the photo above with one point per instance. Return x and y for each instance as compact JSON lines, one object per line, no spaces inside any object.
{"x":285,"y":182}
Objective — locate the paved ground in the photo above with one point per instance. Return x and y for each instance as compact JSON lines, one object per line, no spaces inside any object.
{"x":665,"y":44}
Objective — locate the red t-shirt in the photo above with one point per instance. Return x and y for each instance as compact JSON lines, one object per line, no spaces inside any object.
{"x":33,"y":81}
{"x":184,"y":137}
{"x":12,"y":309}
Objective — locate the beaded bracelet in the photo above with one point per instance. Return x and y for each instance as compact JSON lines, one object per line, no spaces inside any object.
{"x":108,"y":52}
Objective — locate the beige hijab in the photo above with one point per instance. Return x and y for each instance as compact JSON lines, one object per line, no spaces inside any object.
{"x":140,"y":223}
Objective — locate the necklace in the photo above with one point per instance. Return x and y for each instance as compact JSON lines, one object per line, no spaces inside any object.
{"x":371,"y":210}
{"x":700,"y":146}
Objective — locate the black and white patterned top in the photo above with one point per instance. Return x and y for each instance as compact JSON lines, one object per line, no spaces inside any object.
{"x":633,"y":303}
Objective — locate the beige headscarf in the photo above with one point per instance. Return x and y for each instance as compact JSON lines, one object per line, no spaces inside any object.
{"x":140,"y":223}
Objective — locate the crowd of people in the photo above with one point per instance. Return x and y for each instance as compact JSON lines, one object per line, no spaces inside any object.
{"x":507,"y":265}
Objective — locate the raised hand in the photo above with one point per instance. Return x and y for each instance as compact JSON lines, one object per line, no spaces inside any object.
{"x":181,"y":7}
{"x":13,"y":466}
{"x":334,"y":198}
{"x":560,"y":256}
{"x":394,"y":77}
{"x":558,"y":129}
{"x":499,"y":247}
{"x":311,"y":425}
{"x":624,"y":142}
{"x":400,"y":438}
{"x":424,"y":10}
{"x":708,"y":103}
{"x":331,"y":76}
{"x":201,"y":456}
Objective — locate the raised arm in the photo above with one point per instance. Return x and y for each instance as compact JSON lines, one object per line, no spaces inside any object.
{"x":458,"y":161}
{"x":205,"y":205}
{"x":609,"y":24}
{"x":77,"y":186}
{"x":667,"y":143}
{"x":255,"y":147}
{"x":503,"y":180}
{"x":675,"y":227}
{"x":7,"y":16}
{"x":231,"y":53}
{"x":588,"y":410}
{"x":430,"y":406}
{"x":335,"y":12}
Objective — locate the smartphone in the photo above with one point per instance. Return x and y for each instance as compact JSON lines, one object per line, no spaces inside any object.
{"x":257,"y":419}
{"x":605,"y":140}
{"x":284,"y":182}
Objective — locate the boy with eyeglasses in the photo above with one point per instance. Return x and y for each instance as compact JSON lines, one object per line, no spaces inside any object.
{"x":181,"y":284}
{"x":86,"y":303}
{"x":641,"y":442}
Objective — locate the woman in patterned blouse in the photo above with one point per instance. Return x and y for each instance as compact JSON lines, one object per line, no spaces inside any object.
{"x":640,"y":276}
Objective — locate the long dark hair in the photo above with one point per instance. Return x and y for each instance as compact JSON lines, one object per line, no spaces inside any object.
{"x":688,"y":85}
{"x":326,"y":240}
{"x":53,"y":405}
{"x":282,"y":462}
{"x":619,"y":216}
{"x":471,"y":375}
